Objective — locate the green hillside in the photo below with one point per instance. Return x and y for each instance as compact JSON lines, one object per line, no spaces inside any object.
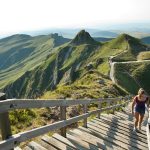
{"x":65,"y":67}
{"x":133,"y":76}
{"x":132,"y":47}
{"x":21,"y":53}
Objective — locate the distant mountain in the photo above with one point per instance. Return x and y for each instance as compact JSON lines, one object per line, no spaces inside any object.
{"x":106,"y":34}
{"x":146,"y":40}
{"x":20,"y":53}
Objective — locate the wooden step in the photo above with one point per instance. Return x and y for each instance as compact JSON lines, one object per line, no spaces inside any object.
{"x":115,"y":135}
{"x":120,"y":132}
{"x":46,"y":145}
{"x":101,"y":136}
{"x":128,"y":125}
{"x":86,"y":136}
{"x":111,"y":138}
{"x":66,"y":141}
{"x":35,"y":146}
{"x":120,"y":125}
{"x":85,"y":145}
{"x":55,"y":143}
{"x":124,"y":116}
{"x":131,"y":117}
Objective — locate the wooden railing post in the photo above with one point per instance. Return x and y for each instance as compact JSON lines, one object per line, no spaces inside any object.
{"x":99,"y":107}
{"x":108,"y":105}
{"x":113,"y":104}
{"x":85,"y":110}
{"x":4,"y":121}
{"x":63,"y":117}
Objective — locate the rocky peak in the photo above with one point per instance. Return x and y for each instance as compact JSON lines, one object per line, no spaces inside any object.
{"x":83,"y":37}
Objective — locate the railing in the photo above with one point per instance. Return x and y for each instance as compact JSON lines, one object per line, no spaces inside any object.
{"x":11,"y":141}
{"x":148,"y":130}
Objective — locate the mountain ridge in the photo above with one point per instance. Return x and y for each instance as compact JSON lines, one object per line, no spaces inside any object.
{"x":66,"y":64}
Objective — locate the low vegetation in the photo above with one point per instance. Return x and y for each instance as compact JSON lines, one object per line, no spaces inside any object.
{"x":132,"y":76}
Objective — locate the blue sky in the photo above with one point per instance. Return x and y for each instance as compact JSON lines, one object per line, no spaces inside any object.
{"x":27,"y":15}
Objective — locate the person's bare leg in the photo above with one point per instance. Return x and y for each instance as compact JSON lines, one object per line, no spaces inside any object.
{"x":140,"y":120}
{"x":136,"y":115}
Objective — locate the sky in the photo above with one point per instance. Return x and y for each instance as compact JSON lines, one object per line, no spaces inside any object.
{"x":26,"y":15}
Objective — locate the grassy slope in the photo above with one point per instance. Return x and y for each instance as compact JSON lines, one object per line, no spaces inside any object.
{"x":69,"y":62}
{"x":92,"y":84}
{"x":21,"y":53}
{"x":133,"y":76}
{"x":54,"y":70}
{"x":132,"y":47}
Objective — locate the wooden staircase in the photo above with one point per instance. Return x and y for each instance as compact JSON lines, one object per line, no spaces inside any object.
{"x":106,"y":131}
{"x":111,"y":131}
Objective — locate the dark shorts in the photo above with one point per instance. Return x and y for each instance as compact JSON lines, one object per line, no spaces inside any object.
{"x":140,"y":110}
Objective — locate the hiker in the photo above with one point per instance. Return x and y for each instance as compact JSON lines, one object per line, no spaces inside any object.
{"x":138,"y":108}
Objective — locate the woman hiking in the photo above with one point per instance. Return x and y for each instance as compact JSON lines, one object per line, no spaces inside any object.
{"x":138,"y":108}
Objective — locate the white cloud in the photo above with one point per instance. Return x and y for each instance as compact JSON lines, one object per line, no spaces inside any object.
{"x":21,"y":15}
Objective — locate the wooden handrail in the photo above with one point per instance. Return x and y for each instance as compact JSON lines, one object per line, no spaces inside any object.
{"x":12,"y":104}
{"x":14,"y":140}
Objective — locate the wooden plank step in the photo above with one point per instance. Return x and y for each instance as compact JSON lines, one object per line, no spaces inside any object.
{"x":120,"y":117}
{"x":55,"y":143}
{"x":66,"y":141}
{"x":131,"y":117}
{"x":72,"y":142}
{"x":101,"y":136}
{"x":86,"y":136}
{"x":115,"y":135}
{"x":117,"y":117}
{"x":35,"y":146}
{"x":126,"y":124}
{"x":86,"y":146}
{"x":46,"y":145}
{"x":124,"y":116}
{"x":129,"y":124}
{"x":127,"y":128}
{"x":116,"y":139}
{"x":110,"y":138}
{"x":122,"y":133}
{"x":134,"y":135}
